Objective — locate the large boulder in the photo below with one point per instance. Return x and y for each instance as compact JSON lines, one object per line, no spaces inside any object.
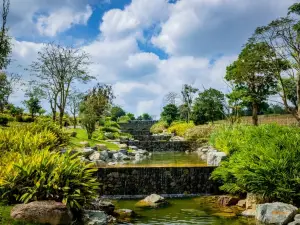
{"x":152,"y":201}
{"x":94,"y":217}
{"x":120,"y":157}
{"x":49,"y":212}
{"x":86,"y":152}
{"x":123,"y":146}
{"x":101,"y":205}
{"x":275,"y":213}
{"x":125,"y":213}
{"x":214,"y":157}
{"x":94,"y":156}
{"x":176,"y":138}
{"x":100,"y":163}
{"x":104,"y":155}
{"x":84,"y":143}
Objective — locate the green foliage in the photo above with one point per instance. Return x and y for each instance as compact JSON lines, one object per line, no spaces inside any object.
{"x":180,"y":128}
{"x":33,"y":105}
{"x":208,"y":106}
{"x":199,"y":134}
{"x":112,"y":124}
{"x":144,"y":116}
{"x":88,"y":121}
{"x":131,"y":116}
{"x":116,"y":112}
{"x":3,"y":120}
{"x":159,"y":127}
{"x":16,"y":111}
{"x":110,"y":129}
{"x":45,"y":175}
{"x":187,"y":93}
{"x":124,"y":119}
{"x":264,"y":160}
{"x":170,"y":113}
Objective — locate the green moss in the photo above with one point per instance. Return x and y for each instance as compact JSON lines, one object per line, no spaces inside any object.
{"x":5,"y":216}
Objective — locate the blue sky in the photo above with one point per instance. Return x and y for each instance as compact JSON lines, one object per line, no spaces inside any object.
{"x":143,"y":48}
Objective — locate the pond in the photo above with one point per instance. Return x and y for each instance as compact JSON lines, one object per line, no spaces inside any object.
{"x":181,"y":212}
{"x":167,"y":159}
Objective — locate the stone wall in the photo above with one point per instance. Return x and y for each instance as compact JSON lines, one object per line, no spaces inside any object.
{"x":162,"y":180}
{"x":161,"y":146}
{"x":152,"y":137}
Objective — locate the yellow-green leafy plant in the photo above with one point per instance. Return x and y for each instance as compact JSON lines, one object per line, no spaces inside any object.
{"x":179,"y":128}
{"x":159,"y":127}
{"x":46,"y":175}
{"x":199,"y":134}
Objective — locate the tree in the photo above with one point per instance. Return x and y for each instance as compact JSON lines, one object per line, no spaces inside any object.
{"x":33,"y":105}
{"x":253,"y":77}
{"x":42,"y":112}
{"x":208,"y":106}
{"x":5,"y":41}
{"x":170,"y":113}
{"x":75,"y":99}
{"x":96,"y":104}
{"x":7,"y":84}
{"x":117,"y":112}
{"x":187,"y":93}
{"x":282,"y":35}
{"x":170,"y":98}
{"x":16,"y":111}
{"x":131,"y":116}
{"x":56,"y":68}
{"x":144,"y":116}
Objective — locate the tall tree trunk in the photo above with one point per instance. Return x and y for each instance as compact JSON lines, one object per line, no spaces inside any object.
{"x":254,"y":113}
{"x":75,"y":121}
{"x":61,"y":117}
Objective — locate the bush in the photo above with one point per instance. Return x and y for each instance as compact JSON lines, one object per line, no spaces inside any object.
{"x":110,"y":129}
{"x":3,"y":120}
{"x":124,"y":119}
{"x":179,"y":128}
{"x":199,"y":134}
{"x":27,"y":119}
{"x":159,"y":127}
{"x":31,"y":137}
{"x":44,"y":175}
{"x":264,"y":160}
{"x":111,"y":124}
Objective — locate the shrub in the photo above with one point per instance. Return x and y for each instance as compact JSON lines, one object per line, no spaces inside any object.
{"x":124,"y":119}
{"x":111,"y":124}
{"x":179,"y":128}
{"x":3,"y":120}
{"x":110,"y":129}
{"x":31,"y":137}
{"x":199,"y":134}
{"x":27,"y":119}
{"x":159,"y":127}
{"x":264,"y":160}
{"x":44,"y":175}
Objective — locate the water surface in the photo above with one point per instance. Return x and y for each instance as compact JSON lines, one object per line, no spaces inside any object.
{"x":180,"y":212}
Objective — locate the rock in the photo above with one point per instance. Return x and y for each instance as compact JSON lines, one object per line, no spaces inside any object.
{"x":94,"y":217}
{"x":142,"y":152}
{"x":176,"y":138}
{"x":84,"y":143}
{"x":294,"y":223}
{"x":111,"y":153}
{"x":101,"y":147}
{"x":104,"y":155}
{"x":123,"y":151}
{"x":111,"y":163}
{"x":204,"y":157}
{"x":249,"y":213}
{"x":94,"y":156}
{"x":111,"y":220}
{"x":125,"y":213}
{"x":100,"y":163}
{"x":87,"y":151}
{"x":214,"y":158}
{"x":297,"y":217}
{"x":242,"y":203}
{"x":194,"y":212}
{"x":123,"y":146}
{"x":275,"y":213}
{"x":152,"y":201}
{"x":253,"y":199}
{"x":83,"y":159}
{"x":132,"y":153}
{"x":50,"y":212}
{"x":119,"y":156}
{"x":226,"y":200}
{"x":133,"y":147}
{"x":101,"y":205}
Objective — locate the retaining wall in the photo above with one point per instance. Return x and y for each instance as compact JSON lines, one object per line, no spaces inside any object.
{"x":161,"y":180}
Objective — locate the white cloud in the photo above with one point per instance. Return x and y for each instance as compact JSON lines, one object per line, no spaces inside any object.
{"x":62,"y":20}
{"x":140,"y":14}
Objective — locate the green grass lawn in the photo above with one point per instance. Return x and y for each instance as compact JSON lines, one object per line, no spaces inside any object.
{"x":82,"y":136}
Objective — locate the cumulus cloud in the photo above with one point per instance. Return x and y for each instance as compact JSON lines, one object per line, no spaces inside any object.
{"x":201,"y":38}
{"x":62,"y":20}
